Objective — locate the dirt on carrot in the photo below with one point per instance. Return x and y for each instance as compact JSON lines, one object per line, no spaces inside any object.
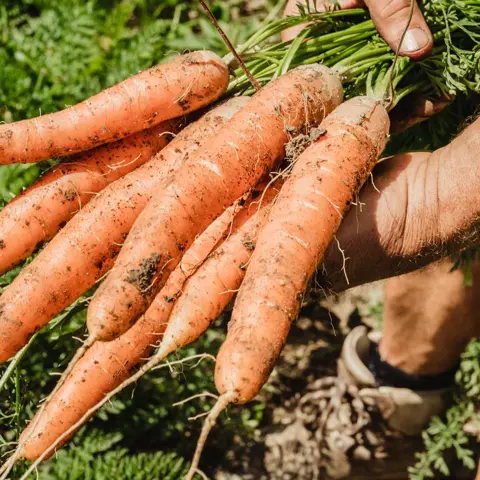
{"x":81,"y":253}
{"x":142,"y":277}
{"x":188,"y":82}
{"x":299,"y":143}
{"x":222,"y":171}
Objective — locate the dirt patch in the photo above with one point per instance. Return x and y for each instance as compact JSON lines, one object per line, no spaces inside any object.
{"x":142,"y":277}
{"x":70,"y":194}
{"x":295,"y":147}
{"x":248,"y":243}
{"x":184,"y":104}
{"x":328,"y":426}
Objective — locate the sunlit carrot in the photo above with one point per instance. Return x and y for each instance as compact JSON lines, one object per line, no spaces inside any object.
{"x":301,"y":225}
{"x":166,"y":91}
{"x":223,"y":170}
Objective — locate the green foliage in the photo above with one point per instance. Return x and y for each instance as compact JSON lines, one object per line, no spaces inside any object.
{"x":447,"y":435}
{"x":14,"y":178}
{"x":348,"y":42}
{"x":102,"y":458}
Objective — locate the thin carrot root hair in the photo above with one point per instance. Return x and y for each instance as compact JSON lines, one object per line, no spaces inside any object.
{"x":220,"y":405}
{"x":7,"y":467}
{"x":153,"y":362}
{"x":193,"y":397}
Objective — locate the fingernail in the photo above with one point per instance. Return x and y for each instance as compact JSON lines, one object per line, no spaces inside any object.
{"x":415,"y":39}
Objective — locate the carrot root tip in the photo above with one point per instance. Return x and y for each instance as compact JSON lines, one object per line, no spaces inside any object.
{"x":223,"y":401}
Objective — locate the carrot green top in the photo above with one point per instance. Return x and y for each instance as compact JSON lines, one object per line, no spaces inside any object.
{"x":347,"y":41}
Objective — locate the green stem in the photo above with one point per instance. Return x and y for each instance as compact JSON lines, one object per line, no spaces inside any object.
{"x":402,"y":93}
{"x":362,"y":55}
{"x":278,"y":26}
{"x":295,"y":45}
{"x":355,"y":70}
{"x":333,"y":58}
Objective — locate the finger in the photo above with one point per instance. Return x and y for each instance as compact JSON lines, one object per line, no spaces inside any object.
{"x":316,"y":5}
{"x":391,"y":19}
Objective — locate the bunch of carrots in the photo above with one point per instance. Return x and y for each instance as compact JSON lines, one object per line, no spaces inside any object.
{"x":167,"y":194}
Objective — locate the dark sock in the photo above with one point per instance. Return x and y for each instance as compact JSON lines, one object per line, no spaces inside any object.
{"x":389,"y":376}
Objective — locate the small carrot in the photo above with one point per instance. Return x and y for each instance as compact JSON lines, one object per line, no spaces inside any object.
{"x":166,"y":91}
{"x":85,"y":249}
{"x":301,"y":225}
{"x":223,"y":170}
{"x":105,"y":368}
{"x":40,"y":211}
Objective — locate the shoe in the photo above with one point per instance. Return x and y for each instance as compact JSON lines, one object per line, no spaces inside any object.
{"x":405,"y":410}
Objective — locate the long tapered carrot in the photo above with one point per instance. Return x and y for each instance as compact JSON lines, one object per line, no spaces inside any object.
{"x":223,"y":170}
{"x":101,"y":373}
{"x":302,"y":223}
{"x":166,"y":91}
{"x":106,"y":364}
{"x":40,"y":211}
{"x":85,"y":249}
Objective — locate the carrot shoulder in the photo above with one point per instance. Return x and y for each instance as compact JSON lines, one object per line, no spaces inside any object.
{"x":223,"y":170}
{"x":85,"y":249}
{"x":302,"y":223}
{"x":166,"y":91}
{"x":40,"y":211}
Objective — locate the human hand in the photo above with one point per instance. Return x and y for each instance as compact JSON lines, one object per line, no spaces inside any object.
{"x":418,"y":208}
{"x":390,"y":17}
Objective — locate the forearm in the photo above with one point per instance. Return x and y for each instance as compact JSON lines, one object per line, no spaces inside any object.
{"x":422,"y":207}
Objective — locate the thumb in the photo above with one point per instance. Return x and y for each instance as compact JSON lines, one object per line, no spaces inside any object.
{"x":391,"y":19}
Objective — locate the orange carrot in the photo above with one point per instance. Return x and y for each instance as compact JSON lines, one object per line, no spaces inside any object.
{"x":40,"y":211}
{"x":301,"y":225}
{"x":210,"y":290}
{"x":85,"y":249}
{"x":105,"y":368}
{"x":163,"y":92}
{"x":223,"y":170}
{"x":106,"y":364}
